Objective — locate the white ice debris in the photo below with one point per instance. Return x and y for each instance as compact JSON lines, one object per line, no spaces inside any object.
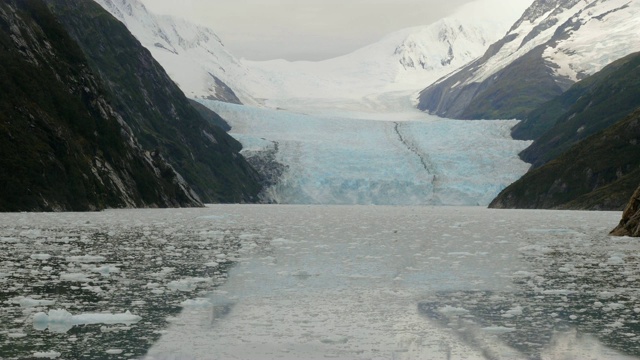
{"x":187,"y":284}
{"x":197,"y":303}
{"x":46,"y":355}
{"x":86,"y":259}
{"x":28,"y":302}
{"x":498,"y":330}
{"x":453,"y":311}
{"x":61,"y":320}
{"x":106,"y":270}
{"x":515,"y":311}
{"x":73,"y":277}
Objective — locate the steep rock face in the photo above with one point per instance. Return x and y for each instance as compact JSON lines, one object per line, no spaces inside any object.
{"x":194,"y":56}
{"x":599,"y":173}
{"x":63,"y":147}
{"x":630,"y":223}
{"x":589,"y":106}
{"x":553,"y":45}
{"x":157,"y":111}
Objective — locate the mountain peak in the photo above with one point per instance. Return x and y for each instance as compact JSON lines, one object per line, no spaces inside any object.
{"x":554,"y":44}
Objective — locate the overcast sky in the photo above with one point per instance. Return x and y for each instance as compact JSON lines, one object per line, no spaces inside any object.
{"x":303,"y":29}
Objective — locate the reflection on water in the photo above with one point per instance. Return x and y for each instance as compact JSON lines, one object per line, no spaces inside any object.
{"x":415,"y":283}
{"x":287,"y":282}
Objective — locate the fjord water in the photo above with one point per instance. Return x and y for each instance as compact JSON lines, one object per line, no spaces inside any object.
{"x":370,"y":282}
{"x":313,"y":282}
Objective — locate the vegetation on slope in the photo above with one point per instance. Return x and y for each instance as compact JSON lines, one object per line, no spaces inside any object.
{"x":599,"y":173}
{"x":589,"y":106}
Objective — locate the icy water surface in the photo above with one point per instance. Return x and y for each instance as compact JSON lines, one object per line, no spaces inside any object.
{"x":316,"y":282}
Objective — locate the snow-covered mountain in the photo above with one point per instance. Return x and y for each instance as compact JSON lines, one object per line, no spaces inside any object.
{"x":408,"y":59}
{"x":554,"y":44}
{"x":193,"y":56}
{"x":402,"y":61}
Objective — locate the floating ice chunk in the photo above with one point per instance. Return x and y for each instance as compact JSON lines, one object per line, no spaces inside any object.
{"x":46,"y":355}
{"x":335,"y":340}
{"x":212,"y":264}
{"x":124,"y":318}
{"x":81,"y":277}
{"x":62,"y":320}
{"x":452,"y":311}
{"x":29,"y":302}
{"x":106,"y":270}
{"x":617,"y":325}
{"x":165,"y":271}
{"x":516,"y":311}
{"x":523,"y":274}
{"x":197,"y":303}
{"x":86,"y":259}
{"x":536,"y":249}
{"x":615,"y":260}
{"x":188,"y":284}
{"x":606,"y":294}
{"x":41,"y":256}
{"x":498,"y":330}
{"x":558,"y":292}
{"x":114,"y":351}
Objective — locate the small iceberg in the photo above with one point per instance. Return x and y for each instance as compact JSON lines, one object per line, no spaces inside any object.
{"x":61,"y":321}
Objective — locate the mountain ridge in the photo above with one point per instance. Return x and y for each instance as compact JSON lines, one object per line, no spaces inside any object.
{"x":547,"y":50}
{"x":158,"y":112}
{"x":63,"y":146}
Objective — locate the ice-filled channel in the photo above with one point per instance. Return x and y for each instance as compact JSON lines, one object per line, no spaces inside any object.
{"x":317,"y":282}
{"x":388,"y":158}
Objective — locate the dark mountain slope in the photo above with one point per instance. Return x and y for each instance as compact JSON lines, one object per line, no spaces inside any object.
{"x":630,"y":223}
{"x":589,"y":106}
{"x":511,"y":93}
{"x":599,"y":173}
{"x":159,"y":114}
{"x":554,"y":44}
{"x":62,"y":146}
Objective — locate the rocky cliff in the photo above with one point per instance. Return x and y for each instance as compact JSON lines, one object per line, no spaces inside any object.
{"x":630,"y":223}
{"x":158,"y":112}
{"x":63,"y":146}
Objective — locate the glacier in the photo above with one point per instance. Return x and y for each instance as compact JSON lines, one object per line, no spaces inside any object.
{"x":345,"y":130}
{"x":405,"y":158}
